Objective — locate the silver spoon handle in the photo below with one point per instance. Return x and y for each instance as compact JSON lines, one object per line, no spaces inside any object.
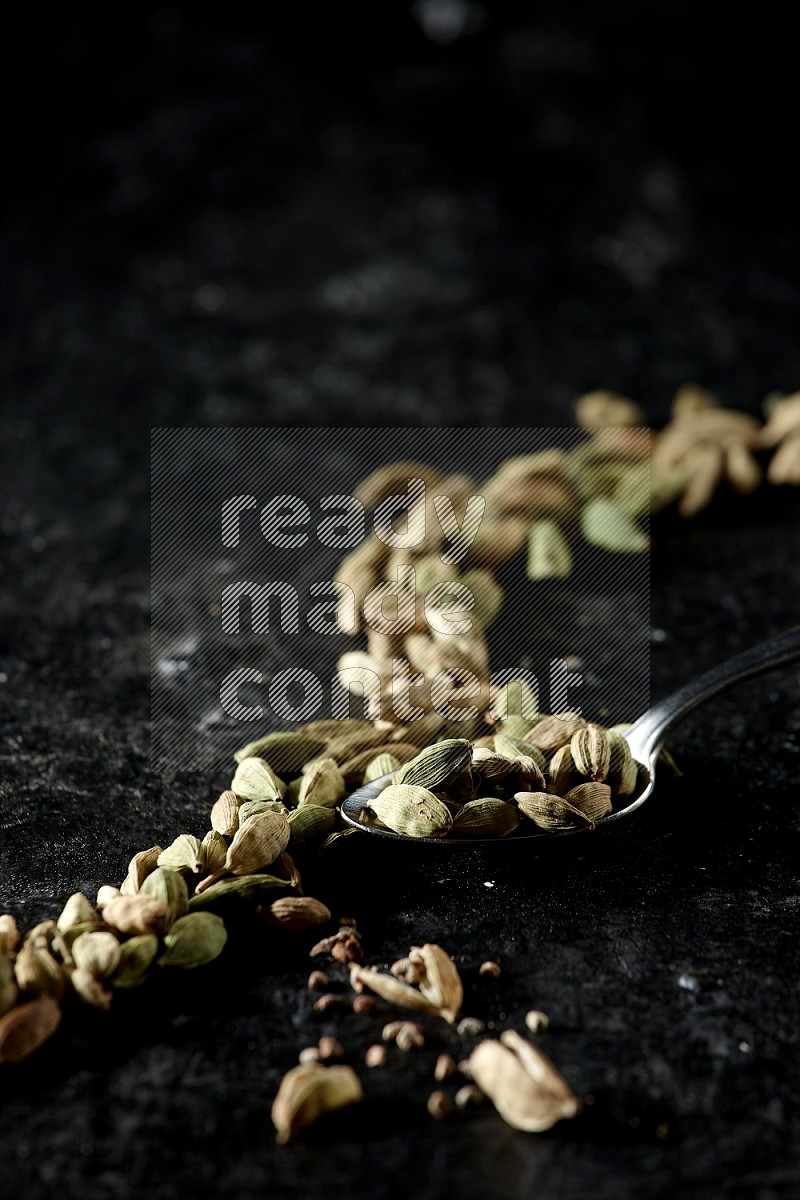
{"x":648,"y":733}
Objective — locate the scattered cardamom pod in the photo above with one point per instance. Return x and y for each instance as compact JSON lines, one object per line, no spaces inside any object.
{"x":138,"y":914}
{"x":254,"y":779}
{"x":294,"y":914}
{"x":89,"y":989}
{"x":440,"y":982}
{"x":522,"y":1083}
{"x":38,"y":973}
{"x":194,"y":940}
{"x":26,"y":1027}
{"x":77,"y":911}
{"x":97,"y":953}
{"x":307,"y":1092}
{"x":391,"y":989}
{"x":214,"y":850}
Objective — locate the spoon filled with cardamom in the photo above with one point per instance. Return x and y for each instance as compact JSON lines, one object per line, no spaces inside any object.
{"x":554,"y":776}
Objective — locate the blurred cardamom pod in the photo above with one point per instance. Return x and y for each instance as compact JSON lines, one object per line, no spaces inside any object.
{"x":77,"y":911}
{"x":604,"y":524}
{"x":170,"y":890}
{"x":97,"y":953}
{"x":553,"y":732}
{"x":294,"y":914}
{"x":412,"y":811}
{"x":26,"y":1027}
{"x":9,"y":992}
{"x":136,"y":956}
{"x":88,"y":988}
{"x":38,"y":973}
{"x":307,"y":1092}
{"x":9,"y":934}
{"x":549,"y":553}
{"x":194,"y":940}
{"x":439,"y":982}
{"x":286,"y":753}
{"x":521,"y":1083}
{"x":138,"y":914}
{"x":382,"y":764}
{"x":395,"y":991}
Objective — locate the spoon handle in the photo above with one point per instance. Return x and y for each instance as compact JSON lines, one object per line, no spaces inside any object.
{"x":647,"y":734}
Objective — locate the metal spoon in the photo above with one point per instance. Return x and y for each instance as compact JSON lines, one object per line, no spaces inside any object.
{"x":645,"y":738}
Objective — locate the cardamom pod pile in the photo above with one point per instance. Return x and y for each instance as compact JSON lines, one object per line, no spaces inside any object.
{"x":561,"y":773}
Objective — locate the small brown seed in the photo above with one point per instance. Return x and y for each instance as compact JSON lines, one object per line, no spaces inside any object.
{"x":409,"y":1037}
{"x":467,"y":1095}
{"x":328,"y":1001}
{"x":491,"y":969}
{"x":439,"y":1105}
{"x":391,"y":1030}
{"x":376,"y":1056}
{"x":317,"y":981}
{"x":536,"y":1022}
{"x":469,"y":1027}
{"x":329,"y":1049}
{"x":308,"y":1055}
{"x":363,"y":1004}
{"x":445,"y":1068}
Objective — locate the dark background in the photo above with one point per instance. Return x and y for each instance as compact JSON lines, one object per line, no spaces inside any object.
{"x":326,"y":213}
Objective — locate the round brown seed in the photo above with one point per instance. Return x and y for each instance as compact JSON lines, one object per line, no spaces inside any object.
{"x":376,"y":1056}
{"x":491,"y":969}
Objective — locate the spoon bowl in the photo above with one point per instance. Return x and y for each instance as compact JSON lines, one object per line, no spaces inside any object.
{"x":645,"y":738}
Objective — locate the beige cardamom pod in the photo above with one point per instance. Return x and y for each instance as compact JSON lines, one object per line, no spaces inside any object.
{"x":26,"y":1027}
{"x":522,"y":1083}
{"x":487,"y":817}
{"x":184,"y":854}
{"x":138,"y":914}
{"x":294,"y":914}
{"x":286,"y":753}
{"x":592,"y":799}
{"x":321,"y":783}
{"x":139,"y":868}
{"x":38,"y":973}
{"x":77,"y":911}
{"x":591,"y":752}
{"x":440,"y":981}
{"x":225,"y":814}
{"x":9,"y":934}
{"x":97,"y":953}
{"x":89,"y":989}
{"x":390,"y":989}
{"x":552,"y":813}
{"x":307,"y":1092}
{"x":255,"y":779}
{"x":552,"y":732}
{"x":257,"y":843}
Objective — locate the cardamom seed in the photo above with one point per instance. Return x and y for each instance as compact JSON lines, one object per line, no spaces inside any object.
{"x":412,"y":811}
{"x":307,"y":1092}
{"x":26,"y":1027}
{"x":136,"y":956}
{"x":486,"y":817}
{"x":194,"y":940}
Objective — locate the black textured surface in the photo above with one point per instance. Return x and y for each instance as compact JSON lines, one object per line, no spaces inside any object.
{"x":327,"y":216}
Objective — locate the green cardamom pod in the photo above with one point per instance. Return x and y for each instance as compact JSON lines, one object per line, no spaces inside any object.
{"x":591,"y":752}
{"x":321,"y":783}
{"x":242,"y":887}
{"x":254,"y":779}
{"x":552,"y":813}
{"x":170,"y":889}
{"x":411,"y":810}
{"x":254,"y":808}
{"x":549,"y":554}
{"x":552,"y":732}
{"x":382,"y":764}
{"x":194,"y":940}
{"x":309,"y":825}
{"x":286,"y":753}
{"x":257,"y":843}
{"x":215,"y":851}
{"x":514,"y":698}
{"x":225,"y":814}
{"x":561,"y":772}
{"x":604,"y":524}
{"x":136,"y":956}
{"x":487,"y":817}
{"x":516,"y":747}
{"x":592,"y":799}
{"x":184,"y":854}
{"x":437,"y":766}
